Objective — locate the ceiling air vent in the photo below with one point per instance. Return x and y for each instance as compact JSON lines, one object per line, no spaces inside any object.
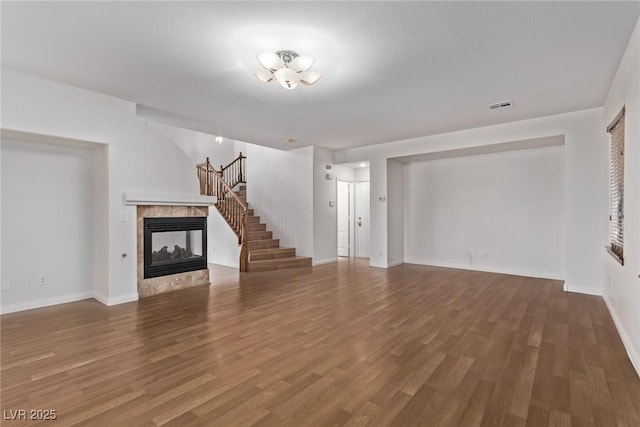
{"x":503,"y":104}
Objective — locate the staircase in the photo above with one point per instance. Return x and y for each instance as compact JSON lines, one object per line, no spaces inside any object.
{"x":259,"y":250}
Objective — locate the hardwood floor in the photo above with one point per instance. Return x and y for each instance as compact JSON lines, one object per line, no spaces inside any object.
{"x":338,"y":344}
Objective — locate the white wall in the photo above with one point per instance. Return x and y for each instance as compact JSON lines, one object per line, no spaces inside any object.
{"x":324,"y":216}
{"x":100,"y":222}
{"x":622,"y":285}
{"x":46,"y":224}
{"x":362,"y":174}
{"x":222,"y":243}
{"x":378,"y":229}
{"x":138,"y":160}
{"x":197,"y":146}
{"x":280,"y":189}
{"x":506,"y":208}
{"x":396,"y":208}
{"x":584,"y":182}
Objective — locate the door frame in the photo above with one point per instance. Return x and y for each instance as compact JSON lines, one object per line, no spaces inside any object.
{"x":350,"y":217}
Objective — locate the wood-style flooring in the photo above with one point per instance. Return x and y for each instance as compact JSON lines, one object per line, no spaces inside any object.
{"x":338,"y":344}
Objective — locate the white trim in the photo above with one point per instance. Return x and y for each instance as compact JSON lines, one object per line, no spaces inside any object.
{"x":394,"y":263}
{"x":12,"y":308}
{"x":101,"y":299}
{"x":167,"y":199}
{"x":578,"y":290}
{"x":324,"y":261}
{"x":631,"y":352}
{"x":41,"y":138}
{"x":118,"y":300}
{"x":513,"y":272}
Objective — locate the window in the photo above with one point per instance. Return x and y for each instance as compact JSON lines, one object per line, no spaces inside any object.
{"x":616,"y":187}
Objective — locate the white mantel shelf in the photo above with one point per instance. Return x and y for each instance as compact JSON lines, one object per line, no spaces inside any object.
{"x":164,"y":199}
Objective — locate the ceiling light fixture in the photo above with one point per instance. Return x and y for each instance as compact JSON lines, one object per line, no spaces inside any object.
{"x":219,"y":139}
{"x":288,"y":68}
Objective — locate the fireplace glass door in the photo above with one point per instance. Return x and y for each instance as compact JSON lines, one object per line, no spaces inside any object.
{"x":174,"y":245}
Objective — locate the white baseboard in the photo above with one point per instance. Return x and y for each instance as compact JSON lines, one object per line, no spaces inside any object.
{"x":394,"y":263}
{"x":631,"y":352}
{"x":579,"y":290}
{"x":117,"y":300}
{"x":324,"y":261}
{"x":30,"y":305}
{"x":498,"y":270}
{"x":101,"y":299}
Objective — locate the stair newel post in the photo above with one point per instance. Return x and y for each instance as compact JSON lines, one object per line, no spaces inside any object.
{"x":234,"y":170}
{"x":223,"y":190}
{"x":241,"y":167}
{"x":202,"y":176}
{"x":208,"y":178}
{"x":244,"y":250}
{"x":235,"y":214}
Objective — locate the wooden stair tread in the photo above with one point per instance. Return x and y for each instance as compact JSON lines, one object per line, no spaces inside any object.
{"x":259,"y":235}
{"x":279,"y":263}
{"x":271,"y":253}
{"x":281,"y":260}
{"x":263,"y":244}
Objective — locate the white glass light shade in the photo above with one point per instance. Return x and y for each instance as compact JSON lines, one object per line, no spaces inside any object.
{"x":219,"y":139}
{"x":288,"y":78}
{"x":270,"y":61}
{"x":302,"y":63}
{"x":310,"y":77}
{"x":264,"y":76}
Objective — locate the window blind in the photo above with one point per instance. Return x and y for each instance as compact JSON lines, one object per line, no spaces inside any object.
{"x":616,"y":186}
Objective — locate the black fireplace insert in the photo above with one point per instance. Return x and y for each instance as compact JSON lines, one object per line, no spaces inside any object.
{"x":174,"y":245}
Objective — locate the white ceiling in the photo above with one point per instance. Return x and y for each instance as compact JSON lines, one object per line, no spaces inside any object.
{"x":392,"y":70}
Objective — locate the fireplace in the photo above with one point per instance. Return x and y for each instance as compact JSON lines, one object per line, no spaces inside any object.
{"x":174,"y":245}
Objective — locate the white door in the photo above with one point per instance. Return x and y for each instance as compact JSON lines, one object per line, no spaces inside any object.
{"x":362,"y":219}
{"x":343,"y":218}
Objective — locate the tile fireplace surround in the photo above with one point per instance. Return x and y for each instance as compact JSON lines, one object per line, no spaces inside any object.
{"x":172,"y":282}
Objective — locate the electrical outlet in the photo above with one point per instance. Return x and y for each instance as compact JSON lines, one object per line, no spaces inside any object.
{"x":6,"y":285}
{"x":43,"y":280}
{"x":485,"y":254}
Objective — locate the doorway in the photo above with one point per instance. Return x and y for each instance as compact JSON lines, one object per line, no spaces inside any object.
{"x":362,"y":219}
